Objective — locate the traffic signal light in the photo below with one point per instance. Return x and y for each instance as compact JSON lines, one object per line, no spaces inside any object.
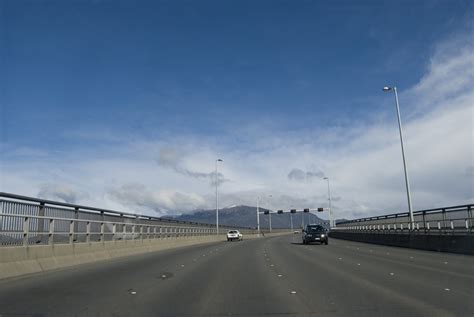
{"x":293,"y":211}
{"x":280,"y":211}
{"x":306,"y":210}
{"x":320,"y":209}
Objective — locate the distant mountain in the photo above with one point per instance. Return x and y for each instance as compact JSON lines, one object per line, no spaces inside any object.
{"x":246,"y":216}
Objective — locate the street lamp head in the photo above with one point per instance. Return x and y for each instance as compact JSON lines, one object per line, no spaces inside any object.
{"x":219,"y":160}
{"x":387,"y":88}
{"x":325,"y":177}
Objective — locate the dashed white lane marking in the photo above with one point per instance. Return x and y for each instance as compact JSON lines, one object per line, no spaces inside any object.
{"x":182,"y":265}
{"x":133,"y":292}
{"x":339,"y":258}
{"x":388,"y":253}
{"x":279,"y":275}
{"x":293,"y":292}
{"x":163,"y":276}
{"x":391,"y":273}
{"x":447,"y":289}
{"x":358,"y":264}
{"x":446,"y":262}
{"x":272,"y":265}
{"x":411,"y":257}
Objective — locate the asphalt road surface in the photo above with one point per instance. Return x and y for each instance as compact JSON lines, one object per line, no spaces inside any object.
{"x":269,"y":276}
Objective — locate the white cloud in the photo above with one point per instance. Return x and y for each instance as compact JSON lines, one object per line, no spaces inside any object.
{"x":363,"y":161}
{"x":141,"y":199}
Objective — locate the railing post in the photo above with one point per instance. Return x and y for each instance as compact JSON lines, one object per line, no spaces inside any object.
{"x":26,"y":230}
{"x":101,"y":238}
{"x":40,"y":225}
{"x":424,"y":221}
{"x":444,"y":220}
{"x":72,"y":225}
{"x":114,"y":231}
{"x":51,"y":232}
{"x":88,"y":232}
{"x":124,"y":231}
{"x":76,"y":224}
{"x":133,"y":232}
{"x":469,"y":218}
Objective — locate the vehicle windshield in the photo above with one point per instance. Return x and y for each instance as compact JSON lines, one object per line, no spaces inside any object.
{"x":232,"y":231}
{"x":315,"y":229}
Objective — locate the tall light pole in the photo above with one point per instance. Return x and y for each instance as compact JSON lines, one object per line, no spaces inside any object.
{"x":331,"y":220}
{"x":217,"y":199}
{"x":291,"y":221}
{"x":302,"y":220}
{"x":407,"y":182}
{"x":270,"y":216}
{"x":258,"y":215}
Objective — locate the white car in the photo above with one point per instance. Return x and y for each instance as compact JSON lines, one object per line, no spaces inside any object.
{"x":234,"y":235}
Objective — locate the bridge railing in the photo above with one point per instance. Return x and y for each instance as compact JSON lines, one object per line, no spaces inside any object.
{"x":447,"y":220}
{"x":31,"y":221}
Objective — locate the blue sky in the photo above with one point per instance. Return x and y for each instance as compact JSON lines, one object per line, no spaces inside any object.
{"x":137,"y":80}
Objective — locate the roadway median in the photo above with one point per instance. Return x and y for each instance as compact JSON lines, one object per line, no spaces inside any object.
{"x":20,"y":260}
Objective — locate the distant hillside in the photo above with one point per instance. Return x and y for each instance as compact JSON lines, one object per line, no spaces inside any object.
{"x":245,"y":216}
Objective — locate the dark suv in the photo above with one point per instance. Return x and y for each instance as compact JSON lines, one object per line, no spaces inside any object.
{"x":315,"y":233}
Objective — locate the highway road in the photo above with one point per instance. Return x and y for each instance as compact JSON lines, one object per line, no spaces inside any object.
{"x":269,"y":276}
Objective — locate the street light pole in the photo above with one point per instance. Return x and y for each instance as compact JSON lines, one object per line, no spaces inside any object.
{"x":217,"y":200}
{"x":270,"y":220}
{"x":258,"y":215}
{"x":270,"y":216}
{"x":291,"y":221}
{"x":331,"y":220}
{"x":407,"y":182}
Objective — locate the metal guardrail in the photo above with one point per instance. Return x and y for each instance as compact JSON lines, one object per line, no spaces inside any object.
{"x":447,"y":220}
{"x":31,"y":221}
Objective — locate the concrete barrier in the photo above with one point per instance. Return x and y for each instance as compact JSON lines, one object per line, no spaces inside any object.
{"x":463,"y":244}
{"x":19,"y":260}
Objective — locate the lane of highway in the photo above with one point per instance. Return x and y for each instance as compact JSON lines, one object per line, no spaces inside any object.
{"x":269,"y":276}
